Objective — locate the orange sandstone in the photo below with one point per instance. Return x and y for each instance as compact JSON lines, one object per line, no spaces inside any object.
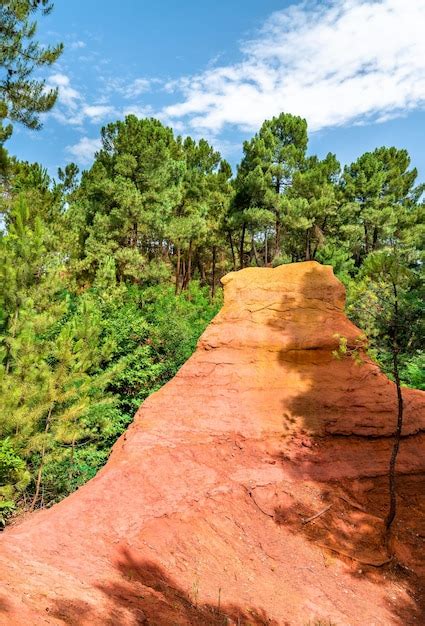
{"x":203,"y":511}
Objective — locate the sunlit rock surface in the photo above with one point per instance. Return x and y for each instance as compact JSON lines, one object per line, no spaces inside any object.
{"x":203,"y":512}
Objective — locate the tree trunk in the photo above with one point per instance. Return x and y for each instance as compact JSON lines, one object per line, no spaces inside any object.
{"x":278,"y":187}
{"x":40,"y":469}
{"x":201,"y":269}
{"x":278,"y":227}
{"x":397,"y":435}
{"x":254,"y":249}
{"x":375,"y":238}
{"x":366,"y":238}
{"x":71,"y":465}
{"x":178,"y":271}
{"x":307,"y":246}
{"x":214,"y":251}
{"x":189,"y":266}
{"x":232,"y":249}
{"x":316,"y":245}
{"x":183,"y":273}
{"x":265,"y":248}
{"x":8,"y":359}
{"x":241,"y":250}
{"x":187,"y":272}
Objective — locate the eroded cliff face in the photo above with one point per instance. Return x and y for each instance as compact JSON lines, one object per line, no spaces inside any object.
{"x":202,"y":512}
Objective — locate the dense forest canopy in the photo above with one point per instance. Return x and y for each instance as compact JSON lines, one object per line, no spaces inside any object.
{"x":109,"y":277}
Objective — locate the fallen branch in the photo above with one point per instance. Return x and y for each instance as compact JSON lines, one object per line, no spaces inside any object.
{"x":256,"y":503}
{"x":310,"y":519}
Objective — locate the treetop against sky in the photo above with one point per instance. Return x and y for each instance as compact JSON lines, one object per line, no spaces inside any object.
{"x":355,"y":69}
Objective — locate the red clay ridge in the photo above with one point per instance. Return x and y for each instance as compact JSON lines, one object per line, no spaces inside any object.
{"x":250,"y":489}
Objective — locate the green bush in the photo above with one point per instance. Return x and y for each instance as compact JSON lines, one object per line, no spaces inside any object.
{"x":14,"y":478}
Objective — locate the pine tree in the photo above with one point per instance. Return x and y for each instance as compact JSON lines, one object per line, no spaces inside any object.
{"x":23,"y":98}
{"x":270,"y":161}
{"x":311,"y":206}
{"x":195,"y":227}
{"x":379,"y":198}
{"x":387,"y":280}
{"x":124,"y":203}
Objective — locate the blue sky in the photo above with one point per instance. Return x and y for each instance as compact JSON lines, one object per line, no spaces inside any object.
{"x":354,"y":68}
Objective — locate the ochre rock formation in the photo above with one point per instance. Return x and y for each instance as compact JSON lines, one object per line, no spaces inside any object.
{"x":203,"y":513}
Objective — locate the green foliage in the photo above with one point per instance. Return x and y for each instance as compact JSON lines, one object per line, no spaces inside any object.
{"x":12,"y":467}
{"x":155,"y":332}
{"x":271,"y":160}
{"x":413,"y":370}
{"x":23,"y":98}
{"x":386,"y":300}
{"x":353,"y":350}
{"x":379,"y":201}
{"x":109,"y":280}
{"x":76,"y":363}
{"x":14,"y":478}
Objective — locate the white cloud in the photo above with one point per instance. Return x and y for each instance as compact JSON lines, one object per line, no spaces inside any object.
{"x":129,"y":88}
{"x":72,"y":108}
{"x":59,"y":79}
{"x":98,"y":112}
{"x":77,"y":45}
{"x":335,"y":63}
{"x":137,"y":87}
{"x":68,"y":96}
{"x":84,"y":150}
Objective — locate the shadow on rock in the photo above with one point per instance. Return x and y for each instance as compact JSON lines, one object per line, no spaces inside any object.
{"x":4,"y":605}
{"x":337,"y":446}
{"x":143,"y":593}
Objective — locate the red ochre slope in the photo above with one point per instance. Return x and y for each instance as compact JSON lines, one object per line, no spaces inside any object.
{"x":199,"y":516}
